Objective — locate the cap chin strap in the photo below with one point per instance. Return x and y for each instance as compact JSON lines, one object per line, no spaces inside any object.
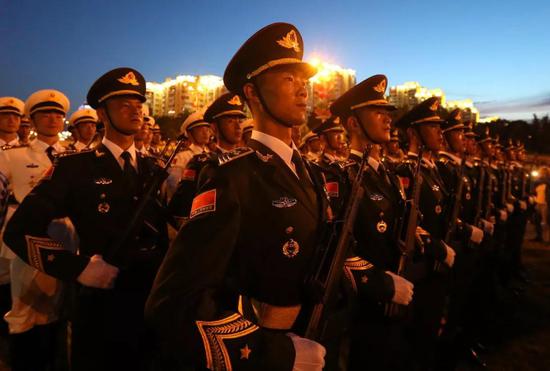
{"x":364,"y":130}
{"x":113,"y":123}
{"x":267,"y":110}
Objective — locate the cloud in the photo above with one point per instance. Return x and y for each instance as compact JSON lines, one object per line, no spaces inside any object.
{"x":516,"y":108}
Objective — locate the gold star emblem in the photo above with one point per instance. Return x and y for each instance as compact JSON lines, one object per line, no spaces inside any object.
{"x":381,"y":87}
{"x":129,"y":78}
{"x":235,"y":101}
{"x":290,"y":41}
{"x":245,"y":352}
{"x":11,"y":101}
{"x":364,"y":278}
{"x":51,"y":257}
{"x":435,"y":105}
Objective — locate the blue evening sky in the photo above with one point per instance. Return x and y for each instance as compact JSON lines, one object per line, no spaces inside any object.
{"x":495,"y":52}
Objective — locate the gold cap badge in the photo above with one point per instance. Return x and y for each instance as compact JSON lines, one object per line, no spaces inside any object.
{"x":381,"y":87}
{"x":290,"y":41}
{"x":235,"y":101}
{"x":129,"y":78}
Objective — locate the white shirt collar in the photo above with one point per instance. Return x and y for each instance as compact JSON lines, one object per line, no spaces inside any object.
{"x":373,"y":163}
{"x":283,"y":150}
{"x":356,"y":153}
{"x":12,"y":142}
{"x":117,"y":152}
{"x":196,"y":149}
{"x":42,"y":146}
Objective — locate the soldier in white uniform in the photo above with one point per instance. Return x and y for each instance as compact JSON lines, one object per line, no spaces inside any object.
{"x":24,"y":131}
{"x":198,"y":131}
{"x":36,"y":297}
{"x":84,"y":121}
{"x":10,"y":119}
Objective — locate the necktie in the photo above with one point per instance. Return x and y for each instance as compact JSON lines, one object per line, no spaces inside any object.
{"x":49,"y":152}
{"x":300,"y":167}
{"x":383,"y":174}
{"x":129,"y":171}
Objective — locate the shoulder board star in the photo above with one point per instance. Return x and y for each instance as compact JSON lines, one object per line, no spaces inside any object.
{"x":226,"y":157}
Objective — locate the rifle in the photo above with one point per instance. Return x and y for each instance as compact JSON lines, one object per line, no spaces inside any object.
{"x":457,"y":201}
{"x":138,"y":217}
{"x":479,"y":203}
{"x":327,"y":276}
{"x":489,"y":202}
{"x":406,"y":244}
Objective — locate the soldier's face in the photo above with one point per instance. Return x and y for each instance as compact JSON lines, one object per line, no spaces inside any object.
{"x":431,"y":136}
{"x":126,"y":114}
{"x":471,"y":147}
{"x":376,"y":122}
{"x":393,"y":146}
{"x":230,"y":129}
{"x":9,"y":122}
{"x":315,"y":145}
{"x":335,"y":140}
{"x":455,"y":139}
{"x":284,"y":91}
{"x":487,"y":148}
{"x":86,"y":131}
{"x":201,"y":135}
{"x":49,"y":123}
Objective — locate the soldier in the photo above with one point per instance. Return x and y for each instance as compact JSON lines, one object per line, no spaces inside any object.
{"x":376,"y":341}
{"x":24,"y":131}
{"x":10,"y":119}
{"x":312,"y":146}
{"x":393,"y":155}
{"x":35,"y":316}
{"x":99,"y":191}
{"x":231,"y":288}
{"x":429,"y":275}
{"x":198,"y":131}
{"x":225,"y":114}
{"x":143,"y":137}
{"x":333,"y":139}
{"x":84,"y":122}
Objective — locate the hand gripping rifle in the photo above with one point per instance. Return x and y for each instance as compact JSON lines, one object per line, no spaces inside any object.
{"x":327,"y":273}
{"x":406,"y":232}
{"x":138,"y":216}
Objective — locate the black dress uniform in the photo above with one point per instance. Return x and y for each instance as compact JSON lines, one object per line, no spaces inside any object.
{"x":377,"y":342}
{"x":430,"y":283}
{"x":232,"y":283}
{"x":91,"y":188}
{"x":180,"y":205}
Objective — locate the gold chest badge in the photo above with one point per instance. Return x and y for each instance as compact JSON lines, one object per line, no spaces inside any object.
{"x":438,"y":209}
{"x":291,"y":248}
{"x":381,"y":226}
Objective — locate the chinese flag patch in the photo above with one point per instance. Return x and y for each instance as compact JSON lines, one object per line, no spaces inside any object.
{"x":189,"y":174}
{"x":404,"y":182}
{"x":332,"y":189}
{"x":203,"y":203}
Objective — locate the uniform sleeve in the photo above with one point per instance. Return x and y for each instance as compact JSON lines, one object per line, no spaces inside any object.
{"x":367,"y":280}
{"x":188,"y":307}
{"x":180,"y":204}
{"x":27,"y":231}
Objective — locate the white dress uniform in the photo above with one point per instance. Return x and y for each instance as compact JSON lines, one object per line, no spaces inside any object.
{"x":36,"y":297}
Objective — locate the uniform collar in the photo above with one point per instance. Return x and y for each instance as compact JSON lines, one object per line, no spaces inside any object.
{"x":373,"y":163}
{"x":116,"y":151}
{"x":42,"y":146}
{"x":80,"y":146}
{"x":428,"y":163}
{"x":282,"y":150}
{"x":356,"y":153}
{"x":13,"y":142}
{"x":453,"y":157}
{"x":196,"y":149}
{"x":412,"y":154}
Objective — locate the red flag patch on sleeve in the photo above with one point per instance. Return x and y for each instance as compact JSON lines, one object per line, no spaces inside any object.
{"x":332,"y":189}
{"x":189,"y":174}
{"x":203,"y":203}
{"x":405,"y":182}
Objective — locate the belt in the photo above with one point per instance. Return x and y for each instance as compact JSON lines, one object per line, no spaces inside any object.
{"x":273,"y":316}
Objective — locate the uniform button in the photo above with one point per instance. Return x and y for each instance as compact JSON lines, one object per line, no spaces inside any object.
{"x":135,"y":198}
{"x":289,"y":230}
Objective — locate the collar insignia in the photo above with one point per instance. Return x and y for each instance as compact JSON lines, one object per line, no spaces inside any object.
{"x":290,"y":41}
{"x":235,"y":101}
{"x":103,"y":181}
{"x":264,"y":158}
{"x":284,"y":202}
{"x":381,"y":87}
{"x":376,"y":197}
{"x":129,"y":78}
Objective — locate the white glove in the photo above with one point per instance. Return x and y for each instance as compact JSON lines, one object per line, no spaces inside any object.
{"x":403,"y":289}
{"x":450,"y":258}
{"x":510,"y":208}
{"x":503,"y":215}
{"x":477,"y":235}
{"x":523,"y":205}
{"x":488,"y":226}
{"x":310,"y":355}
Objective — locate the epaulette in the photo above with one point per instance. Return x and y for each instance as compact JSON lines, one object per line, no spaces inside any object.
{"x":71,"y":152}
{"x":5,"y":147}
{"x":226,"y":157}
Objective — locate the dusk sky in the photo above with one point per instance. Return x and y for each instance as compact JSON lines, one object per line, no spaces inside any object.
{"x":494,"y":52}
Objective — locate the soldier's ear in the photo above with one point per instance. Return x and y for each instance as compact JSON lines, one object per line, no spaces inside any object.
{"x":249,"y":92}
{"x":102,"y":114}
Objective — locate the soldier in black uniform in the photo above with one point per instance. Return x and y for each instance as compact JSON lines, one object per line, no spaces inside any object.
{"x":422,"y":124}
{"x":225,"y":114}
{"x":99,"y":191}
{"x":377,"y":342}
{"x":231,"y":287}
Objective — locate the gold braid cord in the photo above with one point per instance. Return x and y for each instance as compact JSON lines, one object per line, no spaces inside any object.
{"x":214,"y":333}
{"x":355,"y":264}
{"x":35,"y":244}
